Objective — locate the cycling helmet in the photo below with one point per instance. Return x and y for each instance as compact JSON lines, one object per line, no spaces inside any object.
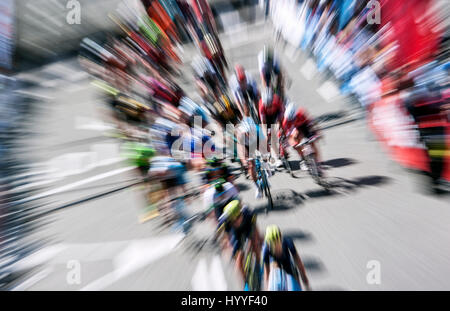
{"x":219,"y":184}
{"x":214,"y":162}
{"x":267,"y":98}
{"x":240,"y":73}
{"x":232,"y":210}
{"x":273,"y":235}
{"x":289,"y":114}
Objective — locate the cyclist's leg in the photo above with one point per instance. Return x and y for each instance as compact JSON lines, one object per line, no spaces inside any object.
{"x":256,"y":244}
{"x":316,"y":153}
{"x":239,"y":257}
{"x":294,"y":140}
{"x":252,"y":170}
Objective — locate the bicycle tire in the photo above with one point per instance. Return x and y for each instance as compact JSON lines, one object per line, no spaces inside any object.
{"x":267,"y":192}
{"x":312,"y":168}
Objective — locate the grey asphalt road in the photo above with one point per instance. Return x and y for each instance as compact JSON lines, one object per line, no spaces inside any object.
{"x":375,"y":212}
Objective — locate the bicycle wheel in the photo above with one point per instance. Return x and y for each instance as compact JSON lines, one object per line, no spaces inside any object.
{"x":287,"y":165}
{"x":312,"y":168}
{"x":267,"y":192}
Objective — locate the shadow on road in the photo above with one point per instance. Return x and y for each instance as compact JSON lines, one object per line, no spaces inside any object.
{"x":297,"y":234}
{"x":339,"y":162}
{"x":283,"y":200}
{"x":313,"y":265}
{"x":242,"y":187}
{"x":341,"y":186}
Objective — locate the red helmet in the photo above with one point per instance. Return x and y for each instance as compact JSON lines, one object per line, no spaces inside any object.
{"x":240,"y":73}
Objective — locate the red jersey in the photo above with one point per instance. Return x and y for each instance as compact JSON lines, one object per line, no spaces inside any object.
{"x":271,"y":112}
{"x":300,"y":119}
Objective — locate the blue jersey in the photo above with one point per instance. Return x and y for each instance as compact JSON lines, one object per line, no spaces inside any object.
{"x":285,"y":260}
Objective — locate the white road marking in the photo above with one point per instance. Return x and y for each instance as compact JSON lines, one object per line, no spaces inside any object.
{"x":138,"y":255}
{"x":217,"y":275}
{"x":33,"y":280}
{"x":308,"y":70}
{"x":83,"y":123}
{"x":328,"y":91}
{"x":212,"y":279}
{"x":38,"y":46}
{"x":78,"y":163}
{"x":81,"y":75}
{"x":34,"y":94}
{"x":42,"y":13}
{"x":39,"y":257}
{"x":60,"y":69}
{"x":50,"y":83}
{"x":200,"y":280}
{"x":76,"y":88}
{"x":78,"y":183}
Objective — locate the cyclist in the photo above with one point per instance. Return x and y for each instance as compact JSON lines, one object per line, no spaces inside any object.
{"x":271,"y":110}
{"x":218,"y":195}
{"x":297,"y":125}
{"x":239,"y":224}
{"x":270,"y":71}
{"x":206,"y":76}
{"x":165,"y":131}
{"x":139,"y":154}
{"x":279,"y":253}
{"x":248,"y":134}
{"x":216,"y":169}
{"x":244,"y":88}
{"x":171,"y":176}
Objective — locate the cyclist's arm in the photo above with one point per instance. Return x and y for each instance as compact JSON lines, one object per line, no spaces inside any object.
{"x":298,"y":263}
{"x":240,"y":146}
{"x":262,"y":114}
{"x":208,"y":201}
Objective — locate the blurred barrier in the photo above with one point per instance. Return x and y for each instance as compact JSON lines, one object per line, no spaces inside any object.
{"x":385,"y":66}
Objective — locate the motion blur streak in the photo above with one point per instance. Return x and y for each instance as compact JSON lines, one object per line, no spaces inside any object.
{"x":144,"y":143}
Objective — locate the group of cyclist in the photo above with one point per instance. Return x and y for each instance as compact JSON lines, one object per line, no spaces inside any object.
{"x":138,"y":72}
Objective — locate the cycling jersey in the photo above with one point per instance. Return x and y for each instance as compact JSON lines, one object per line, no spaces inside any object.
{"x":264,"y":66}
{"x":192,"y":109}
{"x":164,"y":133}
{"x":170,"y":170}
{"x":238,"y":235}
{"x":251,"y":89}
{"x":197,"y":140}
{"x":285,"y":260}
{"x":271,"y":113}
{"x":267,"y":69}
{"x":138,"y":154}
{"x":218,"y":200}
{"x":223,"y":171}
{"x":301,"y":122}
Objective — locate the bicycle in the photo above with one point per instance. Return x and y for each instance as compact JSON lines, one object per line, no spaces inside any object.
{"x":284,"y":155}
{"x":262,"y":169}
{"x":310,"y":161}
{"x":252,"y":269}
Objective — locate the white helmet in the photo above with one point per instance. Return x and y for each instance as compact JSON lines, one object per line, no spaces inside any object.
{"x":290,"y":111}
{"x":267,"y":98}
